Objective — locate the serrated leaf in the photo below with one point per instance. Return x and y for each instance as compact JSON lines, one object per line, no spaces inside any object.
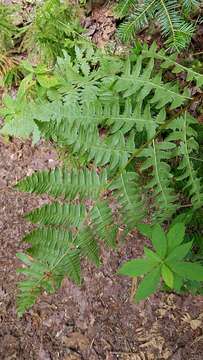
{"x":175,"y":235}
{"x":136,"y":267}
{"x":151,"y":255}
{"x":148,"y":285}
{"x":191,"y":271}
{"x":179,"y":252}
{"x":167,"y":275}
{"x":159,"y":240}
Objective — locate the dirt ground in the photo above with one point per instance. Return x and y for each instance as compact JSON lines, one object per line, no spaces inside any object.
{"x":93,"y":322}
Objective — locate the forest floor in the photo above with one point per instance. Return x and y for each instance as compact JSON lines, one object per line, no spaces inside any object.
{"x":96,"y":321}
{"x":93,"y":322}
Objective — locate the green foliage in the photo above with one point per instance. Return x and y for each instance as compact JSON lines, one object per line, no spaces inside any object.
{"x":55,"y":27}
{"x":7,"y":28}
{"x":166,"y":263}
{"x":171,"y":15}
{"x":113,"y":116}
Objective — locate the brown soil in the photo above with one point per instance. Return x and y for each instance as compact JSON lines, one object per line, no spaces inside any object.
{"x":96,"y":321}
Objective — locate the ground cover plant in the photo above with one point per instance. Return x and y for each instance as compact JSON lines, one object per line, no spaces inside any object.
{"x":174,"y":18}
{"x":129,"y":140}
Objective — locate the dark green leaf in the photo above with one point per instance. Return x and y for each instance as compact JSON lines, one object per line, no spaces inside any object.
{"x":167,"y":275}
{"x":148,"y":285}
{"x":175,"y":235}
{"x":191,"y":271}
{"x":136,"y":267}
{"x":179,"y":252}
{"x":159,"y":240}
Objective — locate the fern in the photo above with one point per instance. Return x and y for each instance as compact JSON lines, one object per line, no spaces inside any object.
{"x":183,"y":132}
{"x":170,"y":14}
{"x":161,"y":178}
{"x":117,"y":125}
{"x":169,"y":61}
{"x":55,"y":27}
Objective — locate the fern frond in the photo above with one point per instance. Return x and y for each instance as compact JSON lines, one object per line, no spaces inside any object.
{"x":137,"y":20}
{"x":58,"y":214}
{"x":127,"y":192}
{"x":168,"y":13}
{"x":83,"y":183}
{"x":46,"y":274}
{"x":103,"y":223}
{"x":190,"y":5}
{"x":134,"y":82}
{"x":123,"y":7}
{"x":88,"y":245}
{"x":169,"y":61}
{"x":183,"y":132}
{"x":114,"y":150}
{"x":164,"y":197}
{"x":44,"y":238}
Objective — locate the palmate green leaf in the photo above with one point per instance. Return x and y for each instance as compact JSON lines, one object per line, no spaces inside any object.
{"x":151,"y":255}
{"x":159,"y":240}
{"x":175,"y":236}
{"x":148,"y":285}
{"x":136,"y":267}
{"x":167,"y":276}
{"x":179,"y":252}
{"x":191,"y":271}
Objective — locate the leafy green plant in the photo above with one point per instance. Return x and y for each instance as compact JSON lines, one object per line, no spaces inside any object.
{"x":7,"y":27}
{"x":133,"y":140}
{"x":55,"y":26}
{"x":171,"y":15}
{"x":166,"y":263}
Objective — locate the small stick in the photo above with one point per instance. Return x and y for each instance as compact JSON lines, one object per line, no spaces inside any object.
{"x":133,"y":289}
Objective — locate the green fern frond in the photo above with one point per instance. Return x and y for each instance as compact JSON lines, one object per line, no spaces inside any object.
{"x":170,"y":15}
{"x":161,"y":178}
{"x":46,"y":274}
{"x":127,"y":192}
{"x":58,"y":214}
{"x":169,"y":61}
{"x":134,"y":82}
{"x":82,"y":183}
{"x":183,"y":132}
{"x":88,"y":245}
{"x":103,"y":223}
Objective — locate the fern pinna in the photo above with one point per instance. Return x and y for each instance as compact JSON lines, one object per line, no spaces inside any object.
{"x":171,"y":15}
{"x":128,"y":148}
